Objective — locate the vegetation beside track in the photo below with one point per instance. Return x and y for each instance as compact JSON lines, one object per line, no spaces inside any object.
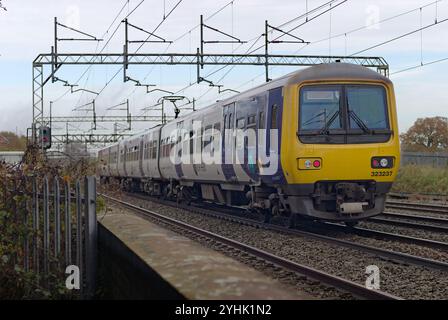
{"x":15,"y":190}
{"x":422,"y":180}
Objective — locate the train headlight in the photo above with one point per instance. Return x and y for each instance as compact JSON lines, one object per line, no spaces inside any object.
{"x":309,"y":163}
{"x":382,"y":162}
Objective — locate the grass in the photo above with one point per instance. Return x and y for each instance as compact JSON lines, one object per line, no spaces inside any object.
{"x":422,"y":179}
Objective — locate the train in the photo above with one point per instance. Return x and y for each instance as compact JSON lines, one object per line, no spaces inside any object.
{"x":320,"y":143}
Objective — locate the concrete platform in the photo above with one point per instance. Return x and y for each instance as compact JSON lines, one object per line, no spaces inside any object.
{"x":192,"y":270}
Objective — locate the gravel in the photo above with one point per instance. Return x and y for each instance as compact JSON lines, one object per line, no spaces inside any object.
{"x":407,"y":281}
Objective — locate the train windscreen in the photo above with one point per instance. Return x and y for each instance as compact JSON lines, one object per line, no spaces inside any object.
{"x":335,"y":111}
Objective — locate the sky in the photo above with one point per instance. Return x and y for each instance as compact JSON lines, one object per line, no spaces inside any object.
{"x":26,"y":30}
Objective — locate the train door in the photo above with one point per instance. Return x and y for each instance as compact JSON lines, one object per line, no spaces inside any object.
{"x":178,"y":150}
{"x":273,"y":134}
{"x":261,"y":132}
{"x":228,"y":142}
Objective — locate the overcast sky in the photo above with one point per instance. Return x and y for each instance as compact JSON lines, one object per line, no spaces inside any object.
{"x":26,"y":29}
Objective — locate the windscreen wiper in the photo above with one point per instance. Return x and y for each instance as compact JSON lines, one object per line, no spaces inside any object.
{"x":311,"y":120}
{"x":359,"y":122}
{"x":329,"y":122}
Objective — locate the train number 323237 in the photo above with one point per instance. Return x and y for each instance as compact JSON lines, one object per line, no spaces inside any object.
{"x":381,"y":173}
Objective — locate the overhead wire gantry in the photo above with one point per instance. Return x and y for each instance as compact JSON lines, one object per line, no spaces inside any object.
{"x":54,"y":60}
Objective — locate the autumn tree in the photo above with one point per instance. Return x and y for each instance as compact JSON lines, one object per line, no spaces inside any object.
{"x":426,"y":135}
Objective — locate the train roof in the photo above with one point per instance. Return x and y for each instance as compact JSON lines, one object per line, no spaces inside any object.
{"x":324,"y":71}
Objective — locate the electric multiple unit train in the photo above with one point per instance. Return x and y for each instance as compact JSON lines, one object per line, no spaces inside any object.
{"x":321,"y":142}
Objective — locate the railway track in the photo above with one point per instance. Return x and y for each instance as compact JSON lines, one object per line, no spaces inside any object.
{"x":319,"y":230}
{"x":388,"y":236}
{"x":355,"y":289}
{"x":416,"y":206}
{"x":309,"y":231}
{"x":402,"y":220}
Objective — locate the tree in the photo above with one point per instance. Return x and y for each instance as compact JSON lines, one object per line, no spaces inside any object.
{"x":427,"y":135}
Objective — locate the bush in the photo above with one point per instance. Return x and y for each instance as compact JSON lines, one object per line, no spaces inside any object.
{"x":15,"y":196}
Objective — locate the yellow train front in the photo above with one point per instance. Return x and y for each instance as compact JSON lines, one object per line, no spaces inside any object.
{"x":340,"y":144}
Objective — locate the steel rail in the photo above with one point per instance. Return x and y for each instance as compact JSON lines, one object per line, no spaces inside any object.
{"x":384,"y":253}
{"x":415,"y":206}
{"x":415,"y":217}
{"x":387,"y":235}
{"x":407,"y":224}
{"x":331,"y":280}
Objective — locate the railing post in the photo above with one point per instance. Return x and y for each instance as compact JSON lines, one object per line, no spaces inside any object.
{"x":90,"y":234}
{"x":57,"y":218}
{"x":68,"y":226}
{"x":26,"y":243}
{"x":79,"y":235}
{"x":35,"y":226}
{"x":46,"y":226}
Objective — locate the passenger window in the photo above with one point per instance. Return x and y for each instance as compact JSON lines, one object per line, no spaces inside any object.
{"x":261,"y":120}
{"x":240,"y":123}
{"x":206,"y":136}
{"x":251,"y":121}
{"x":191,"y":142}
{"x":154,"y":149}
{"x":274,"y":116}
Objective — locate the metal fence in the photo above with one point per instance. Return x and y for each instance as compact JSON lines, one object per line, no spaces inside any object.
{"x":436,"y":159}
{"x":61,"y":223}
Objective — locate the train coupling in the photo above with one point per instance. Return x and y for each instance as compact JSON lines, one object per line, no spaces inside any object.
{"x":350,"y":198}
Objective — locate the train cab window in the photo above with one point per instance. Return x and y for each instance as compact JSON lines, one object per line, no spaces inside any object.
{"x":367,"y":107}
{"x":343,"y":114}
{"x":320,"y":108}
